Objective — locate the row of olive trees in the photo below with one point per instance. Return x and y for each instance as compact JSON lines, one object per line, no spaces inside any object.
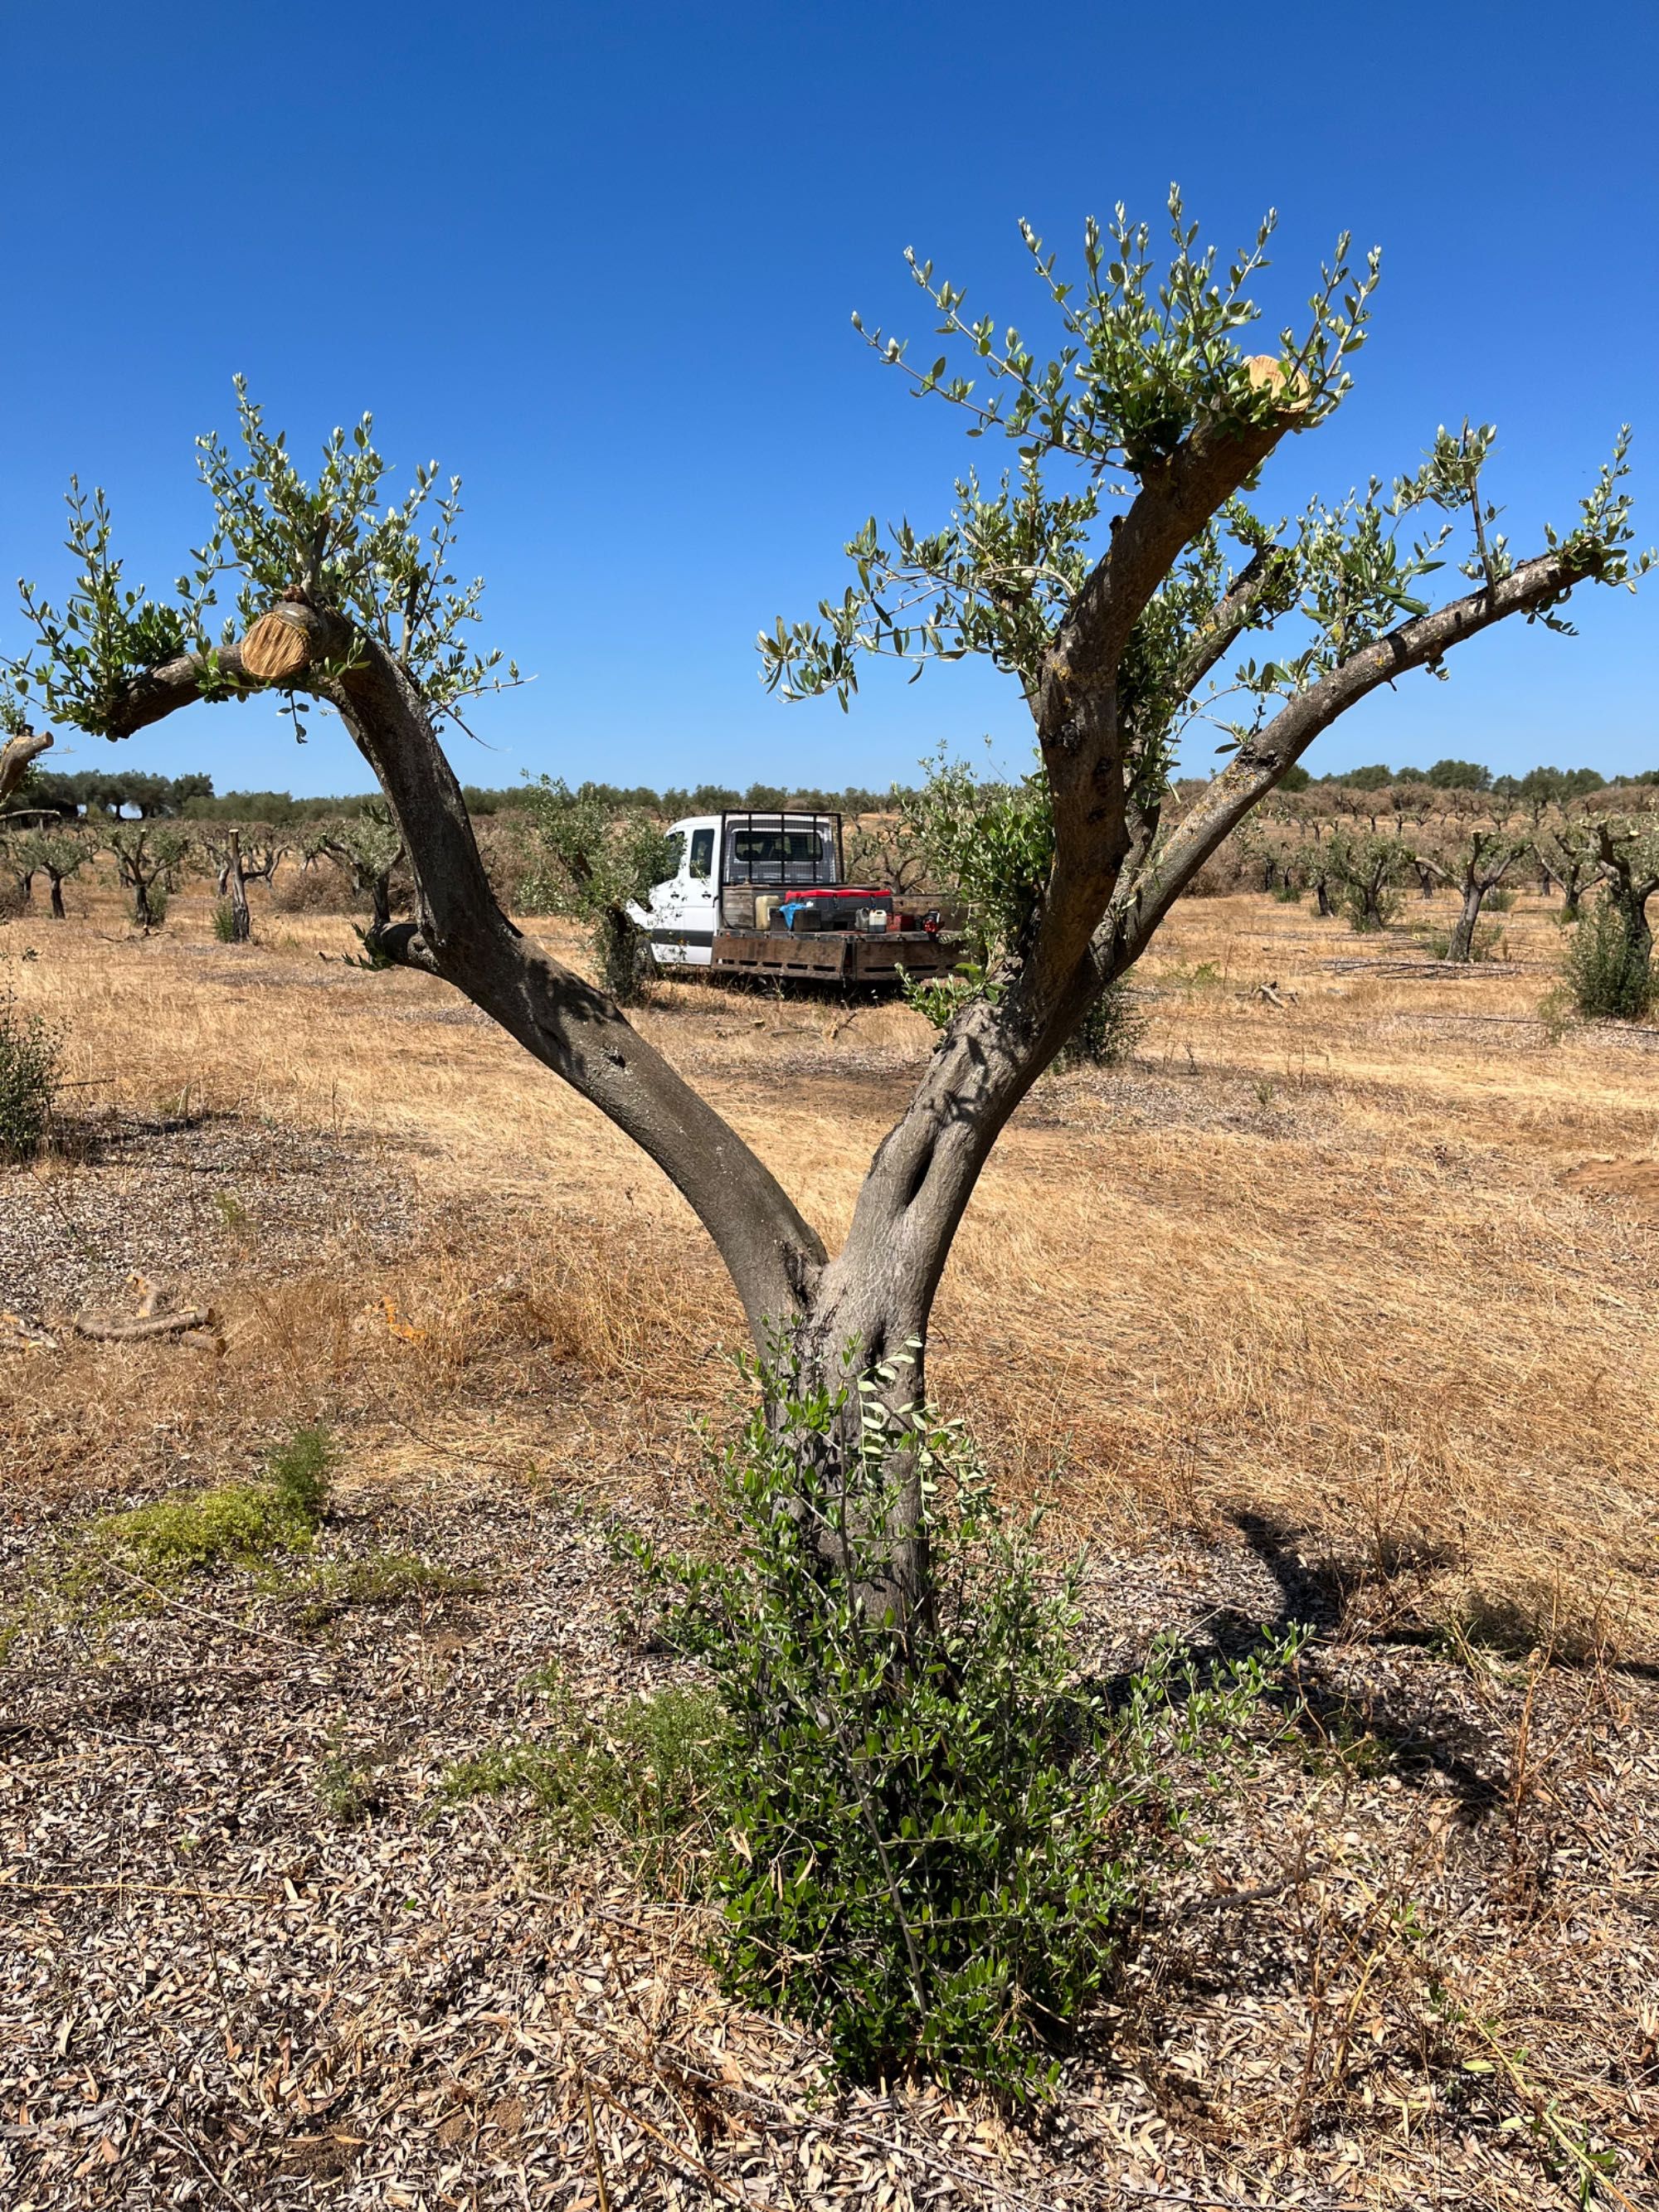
{"x":1360,"y":874}
{"x":975,"y":841}
{"x":1556,"y":821}
{"x":1608,"y":871}
{"x":152,"y":858}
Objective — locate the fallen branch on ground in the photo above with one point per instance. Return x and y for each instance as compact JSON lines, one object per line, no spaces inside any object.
{"x":107,"y":1330}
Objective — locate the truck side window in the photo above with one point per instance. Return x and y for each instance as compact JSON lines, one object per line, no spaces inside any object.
{"x":675,"y":841}
{"x":702,"y":852}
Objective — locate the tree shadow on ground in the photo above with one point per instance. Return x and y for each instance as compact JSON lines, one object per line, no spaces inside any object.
{"x":1413,"y":1727}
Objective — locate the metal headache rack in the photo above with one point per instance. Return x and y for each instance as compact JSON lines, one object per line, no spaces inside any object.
{"x":741,"y":823}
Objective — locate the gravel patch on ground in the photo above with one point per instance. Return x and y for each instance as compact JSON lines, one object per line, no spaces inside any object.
{"x":217,"y":1988}
{"x":187,"y":1200}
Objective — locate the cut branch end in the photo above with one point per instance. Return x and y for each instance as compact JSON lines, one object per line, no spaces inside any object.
{"x":276,"y":649}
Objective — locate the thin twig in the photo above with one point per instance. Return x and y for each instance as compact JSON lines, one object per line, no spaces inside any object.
{"x":687,"y":2157}
{"x":141,"y":1330}
{"x":594,"y":2144}
{"x":137,"y":1888}
{"x":183,"y":2144}
{"x":201,"y":1613}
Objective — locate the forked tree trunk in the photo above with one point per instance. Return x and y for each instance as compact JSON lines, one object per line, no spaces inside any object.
{"x":862,"y":1315}
{"x":1572,"y":891}
{"x":1631,"y":898}
{"x":379,"y":893}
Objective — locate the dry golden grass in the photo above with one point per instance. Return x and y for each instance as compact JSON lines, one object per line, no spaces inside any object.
{"x":1315,"y":1263}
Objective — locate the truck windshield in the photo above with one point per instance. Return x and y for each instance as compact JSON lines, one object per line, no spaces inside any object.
{"x":779,"y":855}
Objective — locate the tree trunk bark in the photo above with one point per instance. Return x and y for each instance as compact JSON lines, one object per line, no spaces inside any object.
{"x":1633,"y":904}
{"x":1461,"y":946}
{"x":241,"y":920}
{"x":58,"y":914}
{"x":140,"y":902}
{"x":879,"y":1536}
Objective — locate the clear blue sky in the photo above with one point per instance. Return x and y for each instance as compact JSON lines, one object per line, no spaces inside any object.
{"x":601,"y":260}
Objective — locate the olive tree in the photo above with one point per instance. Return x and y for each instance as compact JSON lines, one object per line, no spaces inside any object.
{"x":263,"y":853}
{"x":1629,"y":854}
{"x":1367,"y":872}
{"x":1475,"y":869}
{"x":221,"y":849}
{"x":1109,"y":574}
{"x":593,"y":860}
{"x":17,"y":863}
{"x":56,"y":854}
{"x":1570,"y":855}
{"x":369,"y":847}
{"x":148,"y":858}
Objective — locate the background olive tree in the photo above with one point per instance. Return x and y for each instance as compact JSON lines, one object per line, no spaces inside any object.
{"x":1108,"y":572}
{"x":57,"y":854}
{"x":148,"y":858}
{"x":1475,"y":868}
{"x":592,"y":859}
{"x":1367,"y":873}
{"x":367,"y":848}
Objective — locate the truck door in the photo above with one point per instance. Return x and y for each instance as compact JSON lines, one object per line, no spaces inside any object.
{"x":680,"y":914}
{"x":701,"y":906}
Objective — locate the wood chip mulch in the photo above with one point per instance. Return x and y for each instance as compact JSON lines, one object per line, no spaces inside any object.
{"x":125,"y":1193}
{"x":1413,"y":1964}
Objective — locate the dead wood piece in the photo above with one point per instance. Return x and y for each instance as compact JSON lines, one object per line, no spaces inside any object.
{"x":19,"y":755}
{"x":107,"y":1330}
{"x":17,"y":1334}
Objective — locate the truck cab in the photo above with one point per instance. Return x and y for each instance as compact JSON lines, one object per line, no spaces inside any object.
{"x":728,"y":867}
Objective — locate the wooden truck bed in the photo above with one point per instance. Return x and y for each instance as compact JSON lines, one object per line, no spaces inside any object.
{"x":834,"y":955}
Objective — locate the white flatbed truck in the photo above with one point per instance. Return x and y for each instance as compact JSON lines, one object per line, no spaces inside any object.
{"x":761,"y":893}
